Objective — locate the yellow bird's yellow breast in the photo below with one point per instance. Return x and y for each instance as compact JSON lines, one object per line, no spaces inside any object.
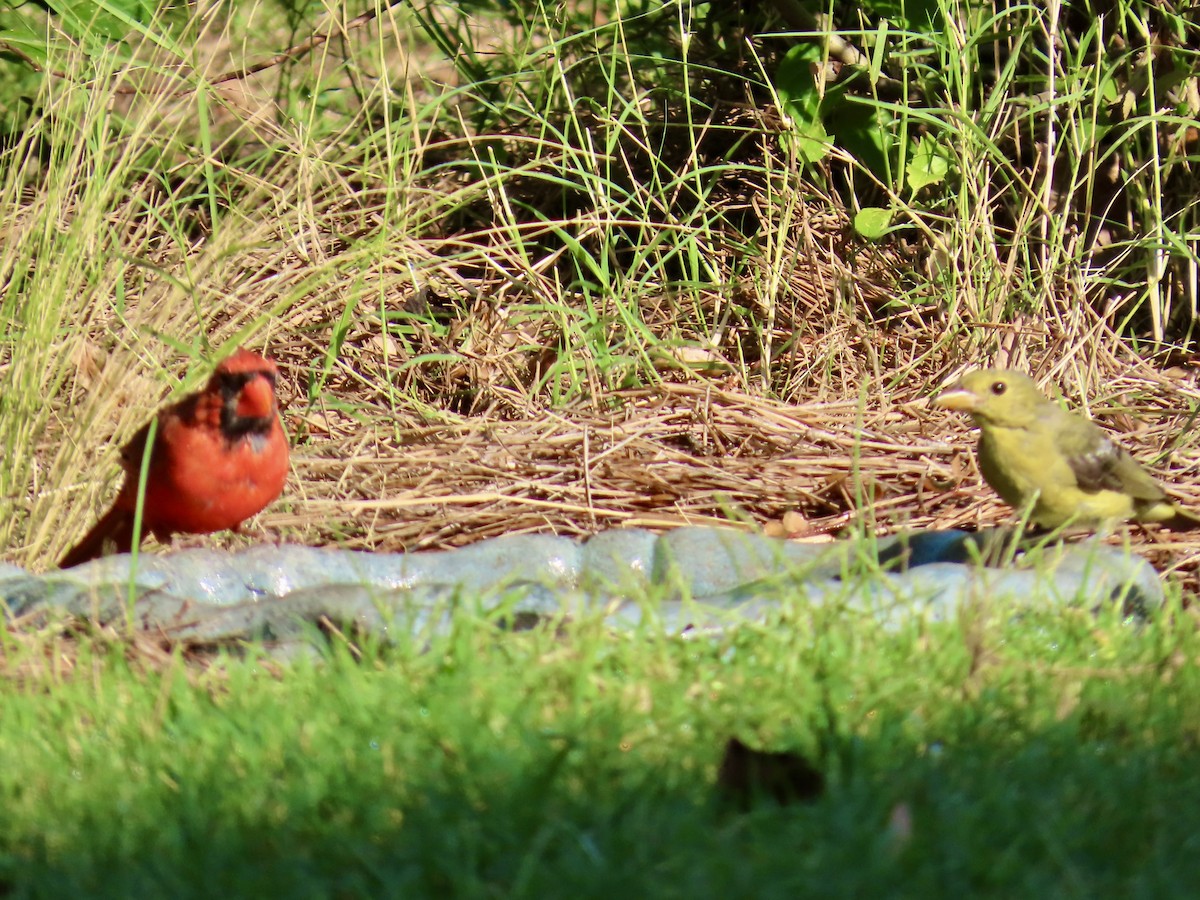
{"x":1020,"y":464}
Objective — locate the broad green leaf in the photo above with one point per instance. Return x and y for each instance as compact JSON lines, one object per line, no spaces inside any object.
{"x":797,"y":88}
{"x":866,"y":130}
{"x":796,"y":84}
{"x":872,"y":222}
{"x":23,"y":37}
{"x":929,"y":164}
{"x":813,"y":143}
{"x":922,"y":16}
{"x":109,"y":20}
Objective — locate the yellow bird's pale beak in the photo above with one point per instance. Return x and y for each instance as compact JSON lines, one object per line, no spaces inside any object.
{"x":956,"y":397}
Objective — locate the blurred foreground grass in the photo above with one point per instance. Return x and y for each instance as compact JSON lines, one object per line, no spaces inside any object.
{"x":1052,"y":754}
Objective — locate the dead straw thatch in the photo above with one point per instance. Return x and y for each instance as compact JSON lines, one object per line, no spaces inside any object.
{"x":674,"y":455}
{"x":678,"y":454}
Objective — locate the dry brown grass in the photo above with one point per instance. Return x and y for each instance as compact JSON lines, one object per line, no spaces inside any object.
{"x":681,"y":453}
{"x":394,"y":453}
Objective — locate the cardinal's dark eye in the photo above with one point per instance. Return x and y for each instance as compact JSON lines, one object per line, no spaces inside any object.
{"x":999,"y":387}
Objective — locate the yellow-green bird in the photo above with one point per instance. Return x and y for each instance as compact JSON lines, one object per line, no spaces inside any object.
{"x":1031,"y":450}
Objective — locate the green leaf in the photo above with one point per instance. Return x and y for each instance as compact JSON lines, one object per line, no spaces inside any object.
{"x":921,"y":16}
{"x":865,"y":130}
{"x":24,"y":38}
{"x":872,"y":222}
{"x":813,"y":142}
{"x":108,"y":20}
{"x":801,"y":100}
{"x":796,"y":84}
{"x":929,"y":164}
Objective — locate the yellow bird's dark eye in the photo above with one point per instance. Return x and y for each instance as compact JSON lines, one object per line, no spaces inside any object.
{"x":999,"y":387}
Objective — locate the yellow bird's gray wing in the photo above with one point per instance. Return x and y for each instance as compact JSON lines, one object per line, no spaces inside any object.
{"x":1100,"y":464}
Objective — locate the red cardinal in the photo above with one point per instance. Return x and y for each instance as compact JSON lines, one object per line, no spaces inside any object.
{"x":219,"y":456}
